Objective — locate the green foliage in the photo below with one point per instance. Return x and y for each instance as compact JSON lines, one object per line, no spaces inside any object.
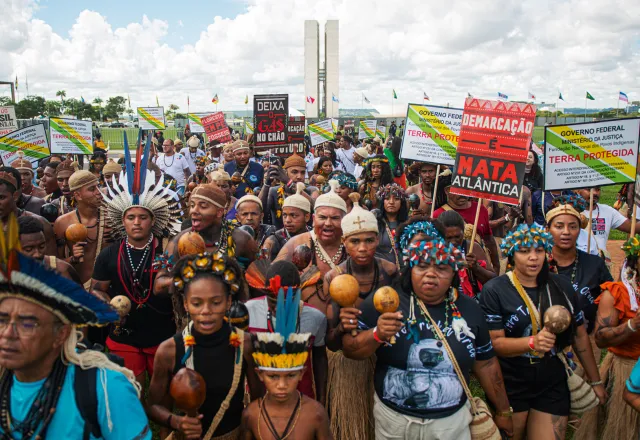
{"x":115,"y":106}
{"x":30,"y":107}
{"x":5,"y":100}
{"x":171,"y":112}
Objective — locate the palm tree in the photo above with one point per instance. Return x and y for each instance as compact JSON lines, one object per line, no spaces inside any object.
{"x":99,"y":102}
{"x":62,"y":94}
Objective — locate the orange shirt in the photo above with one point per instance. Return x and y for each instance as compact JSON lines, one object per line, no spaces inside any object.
{"x":630,"y":348}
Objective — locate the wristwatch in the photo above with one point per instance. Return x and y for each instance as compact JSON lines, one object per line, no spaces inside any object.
{"x":505,"y":413}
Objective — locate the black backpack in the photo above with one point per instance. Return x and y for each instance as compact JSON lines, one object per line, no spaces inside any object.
{"x":84,"y":387}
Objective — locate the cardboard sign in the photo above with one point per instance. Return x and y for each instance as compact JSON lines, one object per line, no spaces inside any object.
{"x":195,"y":123}
{"x":367,"y":129}
{"x":492,"y":149}
{"x":32,"y":141}
{"x":8,"y":120}
{"x":295,"y":136}
{"x":591,"y":154}
{"x":320,"y":132}
{"x":248,"y":127}
{"x":70,"y":136}
{"x":271,"y":114}
{"x":431,"y":134}
{"x":151,"y":118}
{"x":381,"y":131}
{"x":216,"y":128}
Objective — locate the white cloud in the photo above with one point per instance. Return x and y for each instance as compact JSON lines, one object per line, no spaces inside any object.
{"x":410,"y":46}
{"x":180,"y":23}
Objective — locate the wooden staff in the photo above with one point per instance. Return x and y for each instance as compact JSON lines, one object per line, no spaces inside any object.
{"x":475,"y":226}
{"x":435,"y":191}
{"x":633,"y":221}
{"x":590,"y":219}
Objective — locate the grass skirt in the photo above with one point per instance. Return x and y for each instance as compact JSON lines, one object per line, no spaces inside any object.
{"x":616,"y":420}
{"x":350,"y":397}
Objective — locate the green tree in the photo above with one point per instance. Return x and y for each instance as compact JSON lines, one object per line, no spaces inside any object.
{"x":52,"y":108}
{"x":30,"y":107}
{"x":99,"y":102}
{"x":5,"y":100}
{"x":62,"y":94}
{"x":171,"y":111}
{"x":115,"y":106}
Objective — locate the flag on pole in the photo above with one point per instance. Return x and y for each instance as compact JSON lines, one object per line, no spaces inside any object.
{"x":425,"y":96}
{"x":81,"y":99}
{"x":188,"y":102}
{"x":246,"y":99}
{"x":590,"y":97}
{"x":503,"y":96}
{"x":16,"y":82}
{"x":531,"y":95}
{"x":469,"y":95}
{"x":365,"y":99}
{"x":560,"y":96}
{"x":311,"y":99}
{"x":215,"y":99}
{"x":623,"y":97}
{"x":333,"y":98}
{"x":394,"y":94}
{"x":129,"y":99}
{"x":157,"y":102}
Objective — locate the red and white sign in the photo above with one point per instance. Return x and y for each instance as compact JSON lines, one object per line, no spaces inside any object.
{"x":215,"y":127}
{"x":492,"y":149}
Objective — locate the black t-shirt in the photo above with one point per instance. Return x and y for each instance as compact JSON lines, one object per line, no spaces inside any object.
{"x":147,"y":325}
{"x":418,"y":379}
{"x":590,"y":274}
{"x":505,"y":310}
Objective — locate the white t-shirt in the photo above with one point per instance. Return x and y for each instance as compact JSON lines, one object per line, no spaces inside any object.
{"x":173,"y":166}
{"x":603,"y":219}
{"x":346,"y":157}
{"x":581,"y":243}
{"x":357,"y":171}
{"x":190,"y":157}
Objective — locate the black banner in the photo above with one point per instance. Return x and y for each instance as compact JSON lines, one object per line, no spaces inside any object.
{"x":271,"y":115}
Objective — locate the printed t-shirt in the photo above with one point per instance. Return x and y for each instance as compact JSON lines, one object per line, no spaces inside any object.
{"x":603,"y":219}
{"x":417,"y":378}
{"x":469,"y":216}
{"x":191,"y":158}
{"x":254,"y":176}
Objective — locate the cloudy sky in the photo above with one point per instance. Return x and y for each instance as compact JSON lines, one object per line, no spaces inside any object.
{"x":169,"y":49}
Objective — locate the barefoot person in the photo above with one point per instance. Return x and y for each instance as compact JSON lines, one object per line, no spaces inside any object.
{"x":208,"y":283}
{"x":280,"y":358}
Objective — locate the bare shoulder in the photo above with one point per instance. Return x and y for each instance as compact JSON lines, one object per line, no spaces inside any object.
{"x":314,"y":412}
{"x":390,"y":268}
{"x":166,"y":352}
{"x":412,"y":189}
{"x":251,"y":410}
{"x":63,"y":221}
{"x":287,"y":250}
{"x":67,"y":270}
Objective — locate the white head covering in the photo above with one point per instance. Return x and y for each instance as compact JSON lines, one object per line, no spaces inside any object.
{"x":248,"y":198}
{"x":297,"y":200}
{"x":193,"y":142}
{"x":358,"y":220}
{"x":331,"y":199}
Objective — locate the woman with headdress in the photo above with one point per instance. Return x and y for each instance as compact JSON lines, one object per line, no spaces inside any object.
{"x":96,"y":164}
{"x":579,"y":204}
{"x":616,"y":329}
{"x":377,"y":174}
{"x":393,"y":211}
{"x":535,"y":375}
{"x":199,"y":177}
{"x":346,"y":185}
{"x":426,"y":351}
{"x":208,"y":284}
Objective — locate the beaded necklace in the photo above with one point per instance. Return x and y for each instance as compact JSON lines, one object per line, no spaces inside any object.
{"x":291,"y":424}
{"x":138,"y":293}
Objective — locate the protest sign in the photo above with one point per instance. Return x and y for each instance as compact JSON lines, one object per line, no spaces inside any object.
{"x":381,"y":131}
{"x":151,"y":118}
{"x":367,"y":129}
{"x":431,"y":134}
{"x":32,"y":141}
{"x":70,"y":136}
{"x":8,"y":120}
{"x":591,"y":154}
{"x":248,"y":127}
{"x":492,"y":149}
{"x":320,"y":132}
{"x":295,"y":136}
{"x":271,"y":113}
{"x":216,"y":128}
{"x":195,"y":123}
{"x":334,"y":125}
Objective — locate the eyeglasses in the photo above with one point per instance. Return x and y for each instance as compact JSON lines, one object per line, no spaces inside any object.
{"x":21,"y":328}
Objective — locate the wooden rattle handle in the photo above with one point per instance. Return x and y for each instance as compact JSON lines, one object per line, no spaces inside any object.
{"x":354,"y":332}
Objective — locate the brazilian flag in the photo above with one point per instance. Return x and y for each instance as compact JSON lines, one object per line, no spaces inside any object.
{"x":590,"y":97}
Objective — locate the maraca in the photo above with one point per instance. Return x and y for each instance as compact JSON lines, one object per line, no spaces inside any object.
{"x":191,"y":186}
{"x":386,"y":300}
{"x":76,"y":233}
{"x":345,"y":290}
{"x":414,"y":201}
{"x":122,"y":304}
{"x":236,"y":177}
{"x":557,"y":319}
{"x":49,"y":212}
{"x":188,"y":390}
{"x":238,"y":315}
{"x":302,"y":256}
{"x":191,"y":243}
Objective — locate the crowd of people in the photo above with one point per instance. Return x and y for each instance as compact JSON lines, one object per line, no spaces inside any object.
{"x":195,"y":293}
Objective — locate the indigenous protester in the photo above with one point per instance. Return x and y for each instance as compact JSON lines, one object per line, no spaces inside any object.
{"x":33,"y":244}
{"x":478,"y":269}
{"x":346,"y":185}
{"x":192,"y":152}
{"x":96,"y":165}
{"x":542,"y":202}
{"x":350,"y":396}
{"x":324,"y":167}
{"x":579,"y":205}
{"x":421,"y":377}
{"x":28,"y":203}
{"x":345,"y":153}
{"x":616,"y":329}
{"x":88,"y":200}
{"x":324,"y":241}
{"x":604,"y":218}
{"x":282,"y":279}
{"x":425,"y":187}
{"x":64,"y":201}
{"x":280,"y":358}
{"x":98,"y":144}
{"x":208,"y":284}
{"x":173,"y":164}
{"x":359,"y":156}
{"x":222,"y":180}
{"x":393,"y":211}
{"x":467,"y":208}
{"x":531,"y":356}
{"x":249,"y":174}
{"x":227,"y":153}
{"x":111,"y":169}
{"x":296,"y":213}
{"x":198,"y":176}
{"x":9,"y":184}
{"x":215,"y":148}
{"x":533,"y":177}
{"x":48,"y":387}
{"x":206,"y":207}
{"x":139,"y":216}
{"x":249,"y":212}
{"x":49,"y":182}
{"x":25,"y":167}
{"x":377,"y":174}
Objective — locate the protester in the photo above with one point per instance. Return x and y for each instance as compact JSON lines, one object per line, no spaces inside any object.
{"x":214,"y":152}
{"x":377,"y":174}
{"x":346,"y":185}
{"x":542,"y":202}
{"x":324,"y":167}
{"x":25,"y":168}
{"x":250,"y":174}
{"x":96,"y":165}
{"x":264,"y":315}
{"x":208,"y":284}
{"x":192,"y":152}
{"x":173,"y":164}
{"x":416,"y":377}
{"x":393,"y":128}
{"x":616,"y":329}
{"x":98,"y":144}
{"x":198,"y":176}
{"x":359,"y":156}
{"x":222,"y":180}
{"x":515,"y":304}
{"x":296,"y":213}
{"x":50,"y":183}
{"x":426,"y":186}
{"x":110,"y":170}
{"x":64,"y":203}
{"x":344,"y":154}
{"x":604,"y":218}
{"x":49,"y":388}
{"x":392,"y":205}
{"x":227,"y":153}
{"x":249,"y":212}
{"x":350,"y":397}
{"x":533,"y":177}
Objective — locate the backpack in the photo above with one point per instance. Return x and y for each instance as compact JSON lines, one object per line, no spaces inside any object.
{"x":84,"y":387}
